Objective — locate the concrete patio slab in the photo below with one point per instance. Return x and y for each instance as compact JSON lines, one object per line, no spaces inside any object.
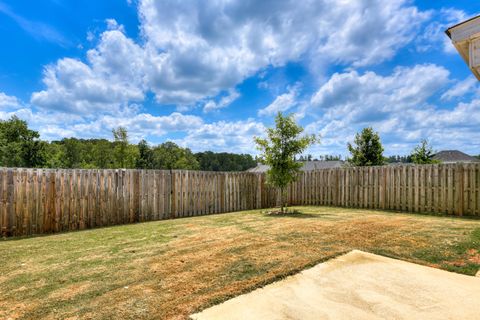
{"x":358,"y":285}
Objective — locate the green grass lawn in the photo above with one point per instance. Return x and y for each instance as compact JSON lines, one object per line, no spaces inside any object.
{"x":169,"y":269}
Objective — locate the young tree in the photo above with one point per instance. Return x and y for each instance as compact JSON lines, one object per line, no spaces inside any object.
{"x":125,"y":154}
{"x":120,"y":137}
{"x":278,"y":151}
{"x":368,"y":149}
{"x":423,"y":153}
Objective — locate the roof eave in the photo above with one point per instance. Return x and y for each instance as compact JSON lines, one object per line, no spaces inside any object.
{"x":449,"y":34}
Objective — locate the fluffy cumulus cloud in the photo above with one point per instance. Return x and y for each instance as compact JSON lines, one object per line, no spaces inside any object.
{"x":51,"y":125}
{"x":198,"y":48}
{"x":192,"y":50}
{"x":398,"y":105}
{"x":282,"y":102}
{"x":111,"y":78}
{"x":224,"y":101}
{"x":354,"y":95}
{"x":7,"y":101}
{"x":235,"y":136}
{"x":462,"y":88}
{"x":56,"y":125}
{"x":141,"y":125}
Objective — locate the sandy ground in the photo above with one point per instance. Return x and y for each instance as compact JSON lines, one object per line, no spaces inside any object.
{"x":359,"y":285}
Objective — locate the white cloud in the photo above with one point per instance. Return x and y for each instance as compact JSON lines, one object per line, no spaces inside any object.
{"x":225,"y":101}
{"x":198,"y":135}
{"x":282,"y":102}
{"x":434,"y":37}
{"x":356,"y":95}
{"x":350,"y":24}
{"x":396,"y":105}
{"x":462,"y":88}
{"x":51,"y":126}
{"x":90,"y":36}
{"x":192,"y":51}
{"x":141,"y":125}
{"x":8,"y":101}
{"x":235,"y":136}
{"x":57,"y":125}
{"x":112,"y":78}
{"x":200,"y":48}
{"x":112,"y":24}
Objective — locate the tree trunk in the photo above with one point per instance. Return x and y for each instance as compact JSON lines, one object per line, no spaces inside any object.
{"x":282,"y":199}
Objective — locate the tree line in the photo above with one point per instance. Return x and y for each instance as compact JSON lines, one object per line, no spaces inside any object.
{"x":22,"y":147}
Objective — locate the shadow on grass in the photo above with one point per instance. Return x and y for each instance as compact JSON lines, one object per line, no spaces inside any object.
{"x":297,"y":214}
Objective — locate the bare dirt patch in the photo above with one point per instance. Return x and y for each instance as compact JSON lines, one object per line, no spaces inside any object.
{"x":474,"y":256}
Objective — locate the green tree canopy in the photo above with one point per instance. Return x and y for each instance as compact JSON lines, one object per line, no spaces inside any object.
{"x":74,"y":152}
{"x":399,"y":159}
{"x":367,"y":149}
{"x":145,"y":156}
{"x":423,"y":153}
{"x":170,"y":156}
{"x":278,"y":151}
{"x":20,"y":146}
{"x":330,"y":157}
{"x":223,"y":161}
{"x":125,"y":154}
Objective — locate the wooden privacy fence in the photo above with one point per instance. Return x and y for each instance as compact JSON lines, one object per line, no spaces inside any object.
{"x":35,"y":201}
{"x":447,"y":188}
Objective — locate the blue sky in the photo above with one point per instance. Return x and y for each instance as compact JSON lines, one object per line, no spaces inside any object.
{"x":211,"y":75}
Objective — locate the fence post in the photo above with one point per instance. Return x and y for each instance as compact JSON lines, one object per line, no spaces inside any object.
{"x":337,"y":187}
{"x":460,"y":188}
{"x":173,"y":197}
{"x":136,"y":194}
{"x":258,"y":200}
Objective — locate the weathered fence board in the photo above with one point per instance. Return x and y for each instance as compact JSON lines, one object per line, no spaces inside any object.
{"x":35,"y":201}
